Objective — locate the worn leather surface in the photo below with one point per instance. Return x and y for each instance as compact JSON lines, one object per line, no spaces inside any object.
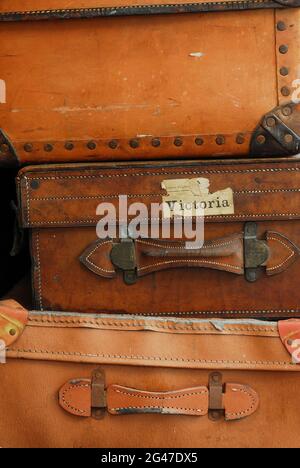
{"x":59,"y":204}
{"x":226,"y":254}
{"x":13,"y":318}
{"x":111,"y":81}
{"x":239,"y":401}
{"x":55,"y":349}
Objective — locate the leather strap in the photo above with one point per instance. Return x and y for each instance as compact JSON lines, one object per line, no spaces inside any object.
{"x":225,"y":254}
{"x":238,"y":400}
{"x":13,"y":318}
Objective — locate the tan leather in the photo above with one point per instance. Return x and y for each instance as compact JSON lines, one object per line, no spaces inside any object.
{"x":13,"y":318}
{"x":67,"y":104}
{"x":289,"y":331}
{"x":239,"y":401}
{"x":179,"y":354}
{"x":58,"y":204}
{"x":225,"y":254}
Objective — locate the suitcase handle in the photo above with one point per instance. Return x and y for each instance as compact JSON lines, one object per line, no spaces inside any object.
{"x":241,"y":253}
{"x":90,"y":397}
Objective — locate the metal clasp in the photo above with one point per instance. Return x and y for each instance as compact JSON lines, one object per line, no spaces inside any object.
{"x":123,"y":256}
{"x":98,"y":394}
{"x":216,"y":410}
{"x":256,"y":252}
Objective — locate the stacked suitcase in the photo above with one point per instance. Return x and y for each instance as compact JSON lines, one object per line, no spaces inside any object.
{"x":127,"y":119}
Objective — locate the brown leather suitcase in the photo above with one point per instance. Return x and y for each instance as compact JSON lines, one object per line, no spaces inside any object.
{"x":248,"y":266}
{"x":86,"y":80}
{"x":101,"y":381}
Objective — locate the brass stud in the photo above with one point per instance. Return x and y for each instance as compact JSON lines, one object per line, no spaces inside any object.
{"x":178,"y":141}
{"x":199,"y":141}
{"x":220,"y":140}
{"x":271,"y":122}
{"x":288,"y":138}
{"x":48,"y":147}
{"x":113,"y":144}
{"x":290,"y":342}
{"x":34,"y":184}
{"x":12,"y":331}
{"x":4,"y":148}
{"x":284,"y":71}
{"x":283,"y":49}
{"x":28,"y":147}
{"x":261,"y":139}
{"x":91,"y":145}
{"x":281,"y":26}
{"x":287,"y":110}
{"x":69,"y":145}
{"x":285,"y":91}
{"x":155,"y":142}
{"x":134,"y":143}
{"x":240,"y":139}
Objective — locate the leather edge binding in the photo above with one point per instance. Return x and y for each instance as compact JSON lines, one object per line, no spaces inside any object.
{"x":138,"y":10}
{"x":8,"y":154}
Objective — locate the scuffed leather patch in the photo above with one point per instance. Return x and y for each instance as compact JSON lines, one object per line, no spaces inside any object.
{"x":289,"y":332}
{"x":13,"y":318}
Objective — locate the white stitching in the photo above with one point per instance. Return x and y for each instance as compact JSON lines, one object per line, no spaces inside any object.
{"x":39,"y":270}
{"x":152,"y":358}
{"x":168,"y":246}
{"x":252,"y":404}
{"x":207,"y":262}
{"x":287,"y":259}
{"x":156,"y":397}
{"x":92,"y":263}
{"x":70,"y":387}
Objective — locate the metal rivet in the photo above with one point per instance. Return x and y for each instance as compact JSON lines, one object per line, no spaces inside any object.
{"x":69,"y":145}
{"x":240,"y":139}
{"x":91,"y":145}
{"x":4,"y":148}
{"x":220,"y":140}
{"x":34,"y":184}
{"x":284,"y":71}
{"x":261,"y":139}
{"x":290,"y":342}
{"x":155,"y":142}
{"x":199,"y":141}
{"x":288,"y":138}
{"x":287,"y":111}
{"x":283,"y":49}
{"x":134,"y":143}
{"x":48,"y":147}
{"x":113,"y":144}
{"x":271,"y":122}
{"x":28,"y":147}
{"x":12,"y":331}
{"x":285,"y":91}
{"x":178,"y":141}
{"x":281,"y":26}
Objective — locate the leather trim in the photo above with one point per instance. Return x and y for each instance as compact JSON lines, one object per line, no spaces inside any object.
{"x":13,"y":318}
{"x":140,"y":9}
{"x":289,"y":332}
{"x":239,"y":401}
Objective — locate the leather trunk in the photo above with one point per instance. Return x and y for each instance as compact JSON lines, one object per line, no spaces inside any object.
{"x":100,"y":381}
{"x":127,"y":80}
{"x":248,"y":265}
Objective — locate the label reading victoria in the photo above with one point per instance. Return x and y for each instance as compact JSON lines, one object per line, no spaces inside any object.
{"x":191,"y":197}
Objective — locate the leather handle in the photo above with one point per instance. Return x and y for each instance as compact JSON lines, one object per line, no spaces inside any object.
{"x":240,"y":253}
{"x":78,"y":397}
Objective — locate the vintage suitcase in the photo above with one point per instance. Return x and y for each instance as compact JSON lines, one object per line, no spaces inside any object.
{"x":148,"y":263}
{"x":102,"y":381}
{"x":125,"y":80}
